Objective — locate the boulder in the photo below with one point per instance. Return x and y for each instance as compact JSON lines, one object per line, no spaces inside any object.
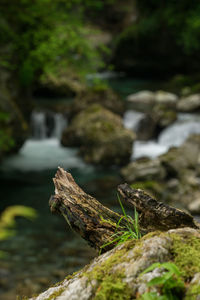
{"x":146,"y":100}
{"x":101,"y":95}
{"x":101,"y":136}
{"x":122,"y":273}
{"x":152,"y":123}
{"x":189,"y":104}
{"x":166,"y":98}
{"x":163,"y":116}
{"x":142,"y":101}
{"x":143,"y":170}
{"x":184,"y":157}
{"x":64,"y":83}
{"x":146,"y":128}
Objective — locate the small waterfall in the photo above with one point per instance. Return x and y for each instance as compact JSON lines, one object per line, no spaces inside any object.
{"x":43,"y":150}
{"x":174,"y":135}
{"x":47,"y":125}
{"x":177,"y":133}
{"x":59,"y":125}
{"x":38,"y":125}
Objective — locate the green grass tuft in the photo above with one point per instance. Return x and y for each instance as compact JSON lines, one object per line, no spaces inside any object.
{"x":123,"y":234}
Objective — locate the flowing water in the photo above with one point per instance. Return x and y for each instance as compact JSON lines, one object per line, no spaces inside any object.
{"x":173,"y":136}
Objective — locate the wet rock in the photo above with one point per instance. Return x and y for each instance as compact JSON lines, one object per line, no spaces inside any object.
{"x":186,"y":156}
{"x":119,"y":272}
{"x":166,"y":98}
{"x":144,"y":169}
{"x":101,"y":136}
{"x":163,"y":116}
{"x":142,"y":101}
{"x":146,"y":128}
{"x":152,"y":123}
{"x":146,"y":100}
{"x":189,"y":104}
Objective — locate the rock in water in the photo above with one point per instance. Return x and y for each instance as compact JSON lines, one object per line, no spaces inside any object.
{"x":189,"y":104}
{"x":101,"y":136}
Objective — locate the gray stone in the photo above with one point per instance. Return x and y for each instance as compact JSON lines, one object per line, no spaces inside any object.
{"x":142,"y":101}
{"x":166,"y":98}
{"x":189,"y":104}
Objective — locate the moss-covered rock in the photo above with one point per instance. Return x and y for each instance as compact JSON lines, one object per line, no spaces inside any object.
{"x":64,"y":82}
{"x":101,"y":136}
{"x":118,"y":274}
{"x":99,"y":94}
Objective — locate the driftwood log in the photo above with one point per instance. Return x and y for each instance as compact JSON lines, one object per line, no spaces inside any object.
{"x":97,"y":224}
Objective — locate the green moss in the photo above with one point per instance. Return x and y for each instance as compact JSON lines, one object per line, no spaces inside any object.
{"x":186,"y":254}
{"x":107,"y":221}
{"x":108,"y":127}
{"x":111,"y":289}
{"x":111,"y":285}
{"x":93,"y":109}
{"x":192,"y":292}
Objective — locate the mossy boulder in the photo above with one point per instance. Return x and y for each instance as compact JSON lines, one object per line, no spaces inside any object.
{"x":100,"y":135}
{"x":64,"y":82}
{"x":118,"y":274}
{"x":99,"y":94}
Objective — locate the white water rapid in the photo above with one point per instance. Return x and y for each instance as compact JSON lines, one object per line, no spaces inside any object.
{"x":174,"y":135}
{"x":43,"y":151}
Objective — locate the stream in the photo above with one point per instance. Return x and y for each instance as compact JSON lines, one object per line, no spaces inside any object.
{"x":44,"y":251}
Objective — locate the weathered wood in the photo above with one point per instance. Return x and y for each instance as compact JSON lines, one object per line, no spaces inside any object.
{"x":155,"y":215}
{"x":89,"y":218}
{"x":97,"y":224}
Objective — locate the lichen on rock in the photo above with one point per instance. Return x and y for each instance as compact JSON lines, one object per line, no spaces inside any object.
{"x":117,"y":274}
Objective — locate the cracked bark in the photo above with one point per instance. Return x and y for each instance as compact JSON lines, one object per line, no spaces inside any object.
{"x":96,"y":223}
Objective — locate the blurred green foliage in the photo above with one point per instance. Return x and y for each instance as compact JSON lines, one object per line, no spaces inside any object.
{"x":7,"y":220}
{"x":165,"y":33}
{"x":43,"y":35}
{"x":180,"y":18}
